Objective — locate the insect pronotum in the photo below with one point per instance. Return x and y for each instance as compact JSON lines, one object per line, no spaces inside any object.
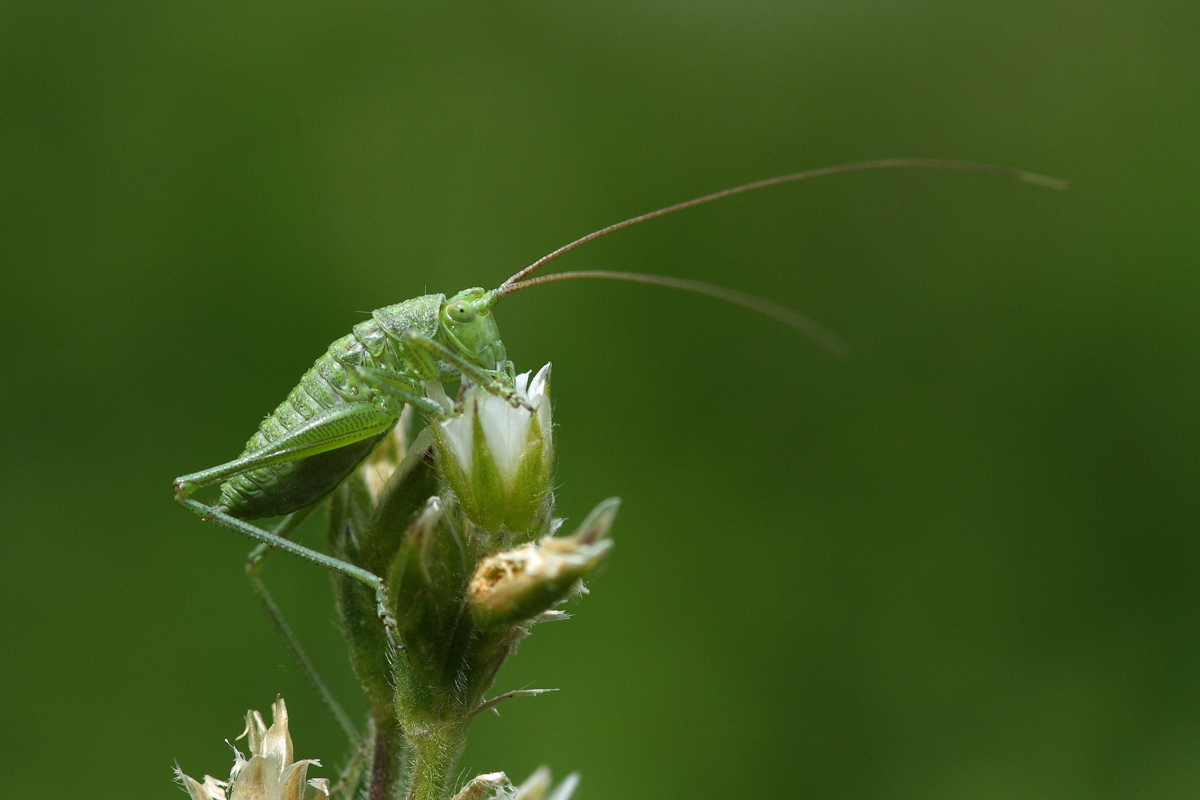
{"x":354,"y":393}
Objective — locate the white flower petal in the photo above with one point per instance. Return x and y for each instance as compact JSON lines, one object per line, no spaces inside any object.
{"x":566,"y":788}
{"x":534,"y":787}
{"x":507,"y":430}
{"x":540,"y":383}
{"x":459,"y":435}
{"x":521,"y":383}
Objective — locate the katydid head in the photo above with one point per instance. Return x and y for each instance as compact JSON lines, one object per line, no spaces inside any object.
{"x":466,"y":322}
{"x":787,"y":316}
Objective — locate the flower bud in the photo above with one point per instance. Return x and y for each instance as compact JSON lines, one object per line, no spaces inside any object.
{"x":368,"y":517}
{"x":515,"y":585}
{"x":497,"y":458}
{"x":425,"y":585}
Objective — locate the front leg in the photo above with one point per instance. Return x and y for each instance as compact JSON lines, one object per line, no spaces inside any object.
{"x":497,"y":382}
{"x":394,"y":391}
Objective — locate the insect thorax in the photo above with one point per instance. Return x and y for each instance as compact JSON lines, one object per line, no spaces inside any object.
{"x":418,"y":315}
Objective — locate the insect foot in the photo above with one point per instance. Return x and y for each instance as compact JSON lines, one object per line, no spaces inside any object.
{"x":518,"y":400}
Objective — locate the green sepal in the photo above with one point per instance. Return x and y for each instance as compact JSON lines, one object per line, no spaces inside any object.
{"x":527,"y":506}
{"x":368,"y":534}
{"x":489,"y":502}
{"x":426,"y":584}
{"x":409,"y":487}
{"x":349,"y":510}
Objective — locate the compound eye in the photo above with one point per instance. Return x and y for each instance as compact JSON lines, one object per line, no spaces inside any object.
{"x":461,"y":312}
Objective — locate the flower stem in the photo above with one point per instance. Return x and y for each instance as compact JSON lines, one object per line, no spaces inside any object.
{"x":435,"y":750}
{"x":385,"y":759}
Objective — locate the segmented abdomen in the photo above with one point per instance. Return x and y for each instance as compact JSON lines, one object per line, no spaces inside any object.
{"x":288,"y":486}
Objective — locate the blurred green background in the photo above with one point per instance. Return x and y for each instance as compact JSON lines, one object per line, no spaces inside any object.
{"x":961,"y":564}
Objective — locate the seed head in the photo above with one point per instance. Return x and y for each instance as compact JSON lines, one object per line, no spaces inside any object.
{"x":269,"y":774}
{"x":518,"y":584}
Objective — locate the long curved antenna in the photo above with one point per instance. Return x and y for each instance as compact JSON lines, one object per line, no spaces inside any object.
{"x":809,"y":327}
{"x":937,"y":163}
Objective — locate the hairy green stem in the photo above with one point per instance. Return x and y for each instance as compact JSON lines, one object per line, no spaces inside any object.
{"x":435,"y":751}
